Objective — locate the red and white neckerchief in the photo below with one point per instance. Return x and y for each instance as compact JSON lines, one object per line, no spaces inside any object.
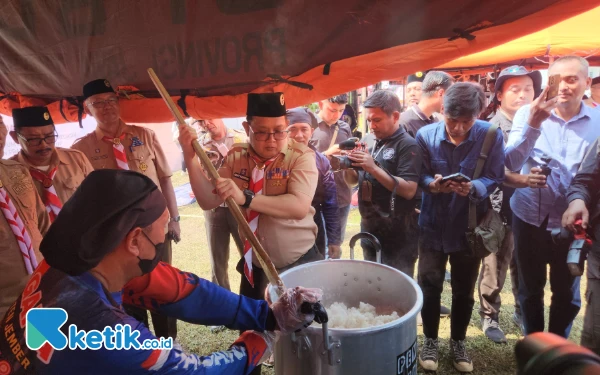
{"x":19,"y":230}
{"x":51,"y":200}
{"x":256,"y":186}
{"x":119,"y":151}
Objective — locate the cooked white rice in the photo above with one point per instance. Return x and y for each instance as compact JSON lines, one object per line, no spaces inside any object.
{"x":340,"y":316}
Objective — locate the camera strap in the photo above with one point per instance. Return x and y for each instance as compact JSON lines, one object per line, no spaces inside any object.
{"x":396,"y":183}
{"x":483,"y":155}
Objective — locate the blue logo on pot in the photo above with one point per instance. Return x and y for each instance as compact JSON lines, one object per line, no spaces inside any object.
{"x":407,"y":361}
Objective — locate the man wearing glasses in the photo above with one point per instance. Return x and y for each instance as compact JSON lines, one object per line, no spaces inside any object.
{"x":23,"y":222}
{"x":116,"y":145}
{"x":274,"y":179}
{"x":57,"y":172}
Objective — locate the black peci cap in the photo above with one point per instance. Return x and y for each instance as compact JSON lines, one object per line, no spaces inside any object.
{"x":266,"y":105}
{"x":97,"y":86}
{"x":30,"y":117}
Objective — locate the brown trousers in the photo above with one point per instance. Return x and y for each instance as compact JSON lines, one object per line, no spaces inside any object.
{"x":492,"y":276}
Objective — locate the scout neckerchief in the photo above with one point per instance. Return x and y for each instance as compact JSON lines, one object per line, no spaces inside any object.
{"x":19,"y":230}
{"x":118,"y":150}
{"x":256,"y":186}
{"x":51,"y":200}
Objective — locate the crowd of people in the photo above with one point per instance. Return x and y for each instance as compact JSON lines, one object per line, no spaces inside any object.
{"x":435,"y":184}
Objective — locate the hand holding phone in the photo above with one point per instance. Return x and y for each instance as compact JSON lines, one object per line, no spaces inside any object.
{"x":456,"y":177}
{"x":553,"y":84}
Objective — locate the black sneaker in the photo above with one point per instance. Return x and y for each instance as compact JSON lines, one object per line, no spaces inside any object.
{"x":461,"y":360}
{"x":492,"y":330}
{"x":428,"y":359}
{"x":518,"y":320}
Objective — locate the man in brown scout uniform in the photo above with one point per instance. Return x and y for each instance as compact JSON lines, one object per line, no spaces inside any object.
{"x":57,"y":172}
{"x":274,"y":178}
{"x":116,"y":145}
{"x":219,"y":222}
{"x":23,"y":221}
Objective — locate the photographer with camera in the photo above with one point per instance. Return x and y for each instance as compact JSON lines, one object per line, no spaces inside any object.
{"x":387,"y":176}
{"x":552,"y":134}
{"x":583,"y":197}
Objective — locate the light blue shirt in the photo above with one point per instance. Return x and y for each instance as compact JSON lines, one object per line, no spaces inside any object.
{"x":566,"y":142}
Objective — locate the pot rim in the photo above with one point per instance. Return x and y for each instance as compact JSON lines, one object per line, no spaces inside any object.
{"x":411,"y":314}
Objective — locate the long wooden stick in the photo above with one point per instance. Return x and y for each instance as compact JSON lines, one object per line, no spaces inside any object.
{"x":259,"y":251}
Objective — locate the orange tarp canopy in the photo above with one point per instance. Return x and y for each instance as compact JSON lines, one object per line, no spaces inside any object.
{"x":210,"y":54}
{"x":576,"y":35}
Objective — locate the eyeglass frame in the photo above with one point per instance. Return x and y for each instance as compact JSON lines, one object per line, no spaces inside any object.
{"x":286,"y":132}
{"x":28,"y":141}
{"x":112,"y":101}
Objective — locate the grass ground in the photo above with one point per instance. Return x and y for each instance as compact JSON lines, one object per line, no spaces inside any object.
{"x":191,"y":254}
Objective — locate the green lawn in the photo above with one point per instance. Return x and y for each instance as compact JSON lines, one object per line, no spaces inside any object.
{"x":191,"y":254}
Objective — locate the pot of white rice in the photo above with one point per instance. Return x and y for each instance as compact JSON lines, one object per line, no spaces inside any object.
{"x":372,"y":326}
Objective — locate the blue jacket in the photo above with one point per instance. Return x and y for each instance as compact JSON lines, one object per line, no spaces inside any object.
{"x":444,"y":217}
{"x":325,"y":199}
{"x":166,"y":290}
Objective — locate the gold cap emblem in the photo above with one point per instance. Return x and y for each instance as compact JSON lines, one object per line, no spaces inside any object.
{"x":107,"y":83}
{"x":46,"y":116}
{"x":282,"y":99}
{"x":419,"y":74}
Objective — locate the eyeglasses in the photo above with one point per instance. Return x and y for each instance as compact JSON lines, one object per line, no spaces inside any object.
{"x":262,"y":136}
{"x":50,"y":140}
{"x":102,"y":103}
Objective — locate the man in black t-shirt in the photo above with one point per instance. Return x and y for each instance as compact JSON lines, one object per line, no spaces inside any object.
{"x":388,"y":179}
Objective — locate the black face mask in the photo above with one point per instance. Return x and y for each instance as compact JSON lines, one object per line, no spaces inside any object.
{"x":148,"y":265}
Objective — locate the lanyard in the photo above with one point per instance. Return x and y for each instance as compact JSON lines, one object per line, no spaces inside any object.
{"x":373,"y":154}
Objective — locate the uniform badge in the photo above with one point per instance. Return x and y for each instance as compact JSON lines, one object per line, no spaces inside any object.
{"x":47,"y":183}
{"x":243,"y":172}
{"x":241,"y":177}
{"x":143,"y":166}
{"x":388,"y":154}
{"x":135,"y":142}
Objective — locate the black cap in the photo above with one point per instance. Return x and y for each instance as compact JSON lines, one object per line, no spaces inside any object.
{"x":417,"y":77}
{"x":595,"y":81}
{"x":518,"y":71}
{"x":30,"y":117}
{"x":302,"y":115}
{"x":97,"y":86}
{"x":266,"y":105}
{"x":108,"y":205}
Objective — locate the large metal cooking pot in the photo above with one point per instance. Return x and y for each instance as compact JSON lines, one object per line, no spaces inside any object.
{"x":386,"y":349}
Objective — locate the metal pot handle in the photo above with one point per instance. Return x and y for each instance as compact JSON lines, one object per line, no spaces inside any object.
{"x":366,"y":236}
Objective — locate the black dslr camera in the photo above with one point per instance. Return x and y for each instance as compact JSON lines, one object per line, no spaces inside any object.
{"x":339,"y":163}
{"x":580,"y":244}
{"x":546,"y":170}
{"x":548,"y":354}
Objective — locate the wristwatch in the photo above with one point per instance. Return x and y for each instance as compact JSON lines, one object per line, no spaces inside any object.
{"x":176,"y":218}
{"x":249,"y":196}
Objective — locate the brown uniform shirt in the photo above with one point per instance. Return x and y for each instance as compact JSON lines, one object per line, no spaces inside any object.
{"x":208,"y":144}
{"x":142,"y":148}
{"x":13,"y":274}
{"x":73,"y":167}
{"x":285,"y":240}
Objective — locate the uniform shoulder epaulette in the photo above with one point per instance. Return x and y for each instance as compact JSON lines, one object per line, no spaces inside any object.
{"x":240,"y":146}
{"x":82,"y":138}
{"x":300,"y":147}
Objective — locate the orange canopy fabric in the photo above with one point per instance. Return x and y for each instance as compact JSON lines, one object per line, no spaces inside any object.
{"x":210,"y":54}
{"x":576,"y":35}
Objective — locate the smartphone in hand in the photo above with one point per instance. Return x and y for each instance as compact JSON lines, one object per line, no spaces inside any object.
{"x":456,"y":177}
{"x":553,"y":83}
